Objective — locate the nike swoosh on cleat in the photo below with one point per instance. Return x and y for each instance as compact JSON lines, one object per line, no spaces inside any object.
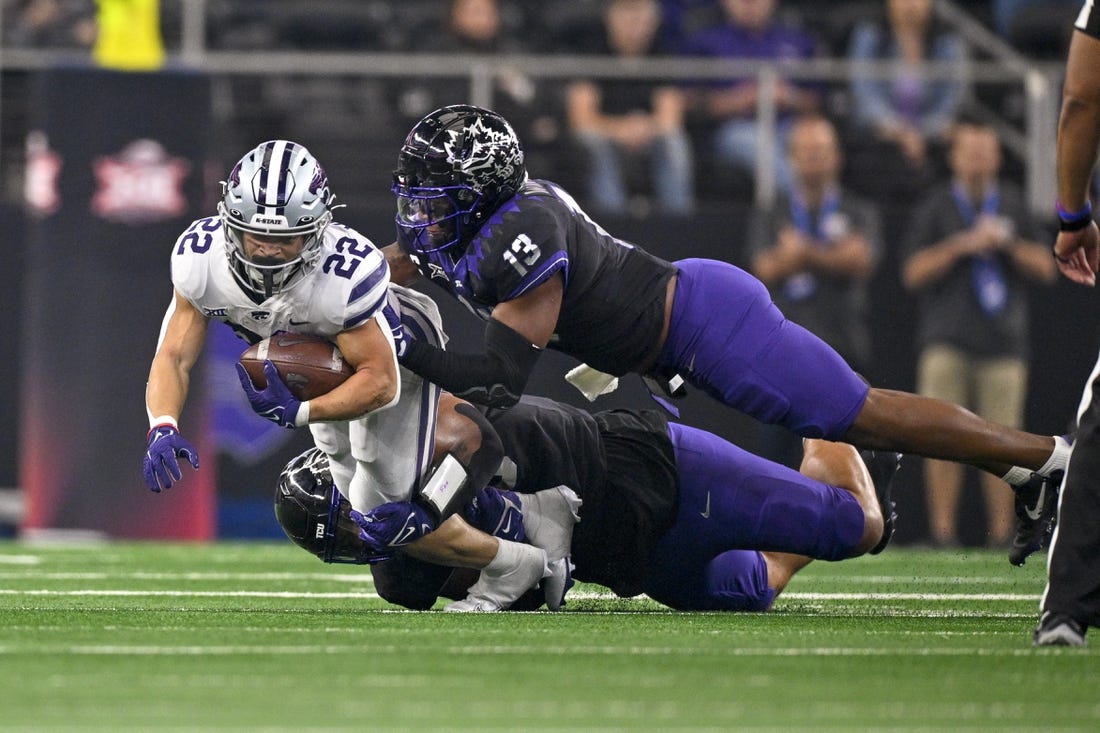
{"x":705,"y":514}
{"x":1036,"y":512}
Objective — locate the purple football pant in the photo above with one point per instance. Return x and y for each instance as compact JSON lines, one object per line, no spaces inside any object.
{"x":733,"y":505}
{"x":730,"y":340}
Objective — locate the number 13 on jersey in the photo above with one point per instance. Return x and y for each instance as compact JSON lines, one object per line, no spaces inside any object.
{"x":522,"y":254}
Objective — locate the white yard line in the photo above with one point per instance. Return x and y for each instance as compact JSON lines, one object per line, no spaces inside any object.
{"x":498,"y":649}
{"x":583,"y":595}
{"x":364,"y":577}
{"x":184,"y":593}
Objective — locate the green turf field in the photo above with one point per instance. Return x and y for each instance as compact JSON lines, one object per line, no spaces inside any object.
{"x":135,"y":637}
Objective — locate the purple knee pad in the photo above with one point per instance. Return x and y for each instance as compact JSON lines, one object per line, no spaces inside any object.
{"x":737,"y":580}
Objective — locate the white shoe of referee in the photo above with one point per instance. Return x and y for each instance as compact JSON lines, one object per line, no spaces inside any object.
{"x":514,"y":570}
{"x":548,"y":519}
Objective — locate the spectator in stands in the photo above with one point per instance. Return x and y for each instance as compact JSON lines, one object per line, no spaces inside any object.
{"x":621,"y":121}
{"x":905,"y":111}
{"x":477,"y":27}
{"x":751,"y":31}
{"x":49,"y":23}
{"x":970,"y":255}
{"x":816,"y":250}
{"x":683,"y":18}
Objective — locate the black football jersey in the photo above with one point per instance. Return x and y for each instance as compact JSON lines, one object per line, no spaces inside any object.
{"x":613,"y":304}
{"x":620,"y":462}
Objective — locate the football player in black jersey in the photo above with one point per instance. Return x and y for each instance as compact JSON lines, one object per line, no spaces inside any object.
{"x":524,"y":257}
{"x":667,"y":510}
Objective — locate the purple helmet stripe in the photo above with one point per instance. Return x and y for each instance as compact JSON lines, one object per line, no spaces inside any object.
{"x":262,"y":183}
{"x":284,"y":178}
{"x":272,"y":193}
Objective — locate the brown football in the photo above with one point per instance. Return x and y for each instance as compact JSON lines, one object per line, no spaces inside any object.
{"x":310,"y":365}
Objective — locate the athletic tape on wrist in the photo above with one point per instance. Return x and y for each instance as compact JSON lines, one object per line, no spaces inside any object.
{"x":156,"y":422}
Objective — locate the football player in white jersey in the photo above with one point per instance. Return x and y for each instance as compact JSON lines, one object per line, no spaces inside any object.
{"x":274,"y":260}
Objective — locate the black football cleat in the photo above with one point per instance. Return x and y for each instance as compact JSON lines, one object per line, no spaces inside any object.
{"x":1058,"y":629}
{"x":883,"y":466}
{"x":1036,"y":506}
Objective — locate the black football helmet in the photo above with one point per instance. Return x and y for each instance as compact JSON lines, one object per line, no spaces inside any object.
{"x":314,"y":514}
{"x":457,"y":166}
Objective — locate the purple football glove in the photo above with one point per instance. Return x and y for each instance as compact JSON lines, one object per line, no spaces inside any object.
{"x":392,"y":525}
{"x":497,"y":512}
{"x":161,"y":467}
{"x":274,"y":402}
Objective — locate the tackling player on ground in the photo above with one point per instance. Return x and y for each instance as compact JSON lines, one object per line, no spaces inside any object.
{"x":668,"y":510}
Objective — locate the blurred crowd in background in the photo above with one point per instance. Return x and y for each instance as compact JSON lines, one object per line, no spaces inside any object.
{"x":609,"y":136}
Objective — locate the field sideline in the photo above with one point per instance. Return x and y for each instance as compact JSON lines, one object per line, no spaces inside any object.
{"x":262,"y":637}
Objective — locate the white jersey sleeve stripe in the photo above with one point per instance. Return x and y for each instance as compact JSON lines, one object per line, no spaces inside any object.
{"x":376,"y":281}
{"x":1087,"y":20}
{"x":369,"y":294}
{"x":366,"y":313}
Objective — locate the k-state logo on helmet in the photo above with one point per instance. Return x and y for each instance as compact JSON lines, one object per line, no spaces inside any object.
{"x":279,"y":221}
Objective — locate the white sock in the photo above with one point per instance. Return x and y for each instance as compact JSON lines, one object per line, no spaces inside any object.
{"x":1058,"y":460}
{"x":509,"y":554}
{"x":512,"y":572}
{"x":1059,"y":457}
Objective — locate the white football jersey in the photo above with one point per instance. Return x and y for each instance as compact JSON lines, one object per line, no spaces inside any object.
{"x":347,"y":286}
{"x":381,"y":456}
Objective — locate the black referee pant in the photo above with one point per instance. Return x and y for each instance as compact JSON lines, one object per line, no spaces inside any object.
{"x":1073,"y":570}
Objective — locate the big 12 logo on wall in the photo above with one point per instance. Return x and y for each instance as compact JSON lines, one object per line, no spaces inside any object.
{"x":140,"y":184}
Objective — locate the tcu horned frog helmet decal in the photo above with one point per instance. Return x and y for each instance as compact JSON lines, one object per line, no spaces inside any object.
{"x":457,"y":166}
{"x":276,"y":190}
{"x":315,"y":515}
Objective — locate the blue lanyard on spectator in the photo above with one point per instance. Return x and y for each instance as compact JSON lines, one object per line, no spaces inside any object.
{"x":987,"y":274}
{"x":803,"y":284}
{"x":800,"y":214}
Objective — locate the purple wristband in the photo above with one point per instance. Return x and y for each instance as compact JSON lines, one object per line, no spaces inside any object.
{"x":1085,"y":210}
{"x":1071,"y":221}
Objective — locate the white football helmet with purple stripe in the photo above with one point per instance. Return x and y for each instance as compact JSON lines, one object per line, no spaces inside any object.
{"x":276,"y":190}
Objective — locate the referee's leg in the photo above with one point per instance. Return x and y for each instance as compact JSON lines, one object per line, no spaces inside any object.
{"x":1073,"y":573}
